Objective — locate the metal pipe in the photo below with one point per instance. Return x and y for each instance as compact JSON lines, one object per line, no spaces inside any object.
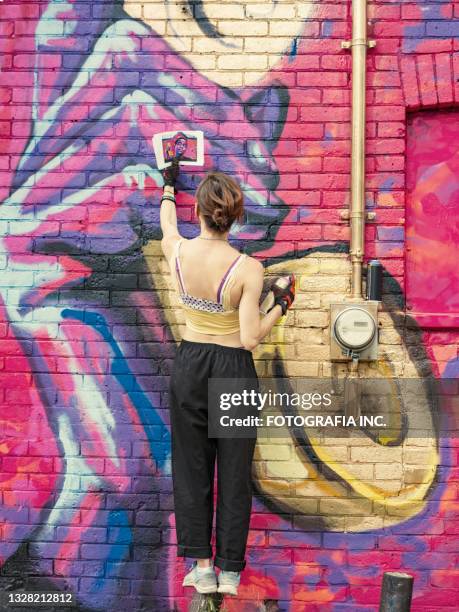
{"x":358,"y":45}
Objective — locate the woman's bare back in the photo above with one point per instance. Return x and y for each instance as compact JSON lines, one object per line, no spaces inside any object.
{"x":204,"y":263}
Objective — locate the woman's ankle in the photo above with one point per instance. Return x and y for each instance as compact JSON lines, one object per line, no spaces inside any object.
{"x":203,"y":563}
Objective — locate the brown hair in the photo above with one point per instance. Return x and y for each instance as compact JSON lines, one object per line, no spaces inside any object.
{"x":220,"y":201}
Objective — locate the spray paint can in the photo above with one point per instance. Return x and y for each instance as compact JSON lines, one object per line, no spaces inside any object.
{"x":374,"y":280}
{"x":282,"y":282}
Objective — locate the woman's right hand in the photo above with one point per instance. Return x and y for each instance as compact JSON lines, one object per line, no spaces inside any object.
{"x":283,"y":289}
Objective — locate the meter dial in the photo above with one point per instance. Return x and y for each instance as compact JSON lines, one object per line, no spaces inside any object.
{"x":354,"y":328}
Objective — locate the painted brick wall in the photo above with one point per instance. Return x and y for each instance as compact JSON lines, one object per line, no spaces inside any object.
{"x":89,"y":320}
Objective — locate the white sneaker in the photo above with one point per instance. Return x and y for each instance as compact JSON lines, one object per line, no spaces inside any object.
{"x":202,"y":579}
{"x":228,"y":582}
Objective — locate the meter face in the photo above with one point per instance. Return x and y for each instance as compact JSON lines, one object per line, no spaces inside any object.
{"x":354,"y":328}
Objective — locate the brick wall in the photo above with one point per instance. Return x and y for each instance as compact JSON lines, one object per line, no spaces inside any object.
{"x":90,"y":321}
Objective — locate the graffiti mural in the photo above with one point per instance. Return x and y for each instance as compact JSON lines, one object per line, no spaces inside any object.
{"x":89,"y":318}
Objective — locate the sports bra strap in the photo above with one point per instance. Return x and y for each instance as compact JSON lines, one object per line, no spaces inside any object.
{"x":225,"y":281}
{"x":178,"y":268}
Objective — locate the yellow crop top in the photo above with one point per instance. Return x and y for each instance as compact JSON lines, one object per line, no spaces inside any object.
{"x":206,"y":316}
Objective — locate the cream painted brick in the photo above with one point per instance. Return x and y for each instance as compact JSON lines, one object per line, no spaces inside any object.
{"x":309,"y":507}
{"x":252,"y":77}
{"x":304,"y":335}
{"x":206,"y":62}
{"x":414,"y":476}
{"x":160,"y":27}
{"x":336,"y":506}
{"x":306,"y":301}
{"x":252,"y":45}
{"x":311,"y":319}
{"x":335,"y":266}
{"x":237,"y":79}
{"x":366,"y":523}
{"x":306,"y":9}
{"x":135,"y":8}
{"x":388,"y":470}
{"x":218,"y":10}
{"x":310,"y":265}
{"x":389,"y":336}
{"x":356,"y":471}
{"x":272,"y":452}
{"x":233,"y":28}
{"x":339,"y":453}
{"x":283,"y":27}
{"x":397,"y":353}
{"x":407,"y":509}
{"x":273,"y":60}
{"x":186,"y":42}
{"x":368,"y":455}
{"x":285,"y":469}
{"x":203,"y":44}
{"x":156,"y":10}
{"x":288,"y":11}
{"x":331,"y":298}
{"x":287,"y":350}
{"x":312,"y":353}
{"x":414,"y":457}
{"x":335,"y":369}
{"x":302,"y":368}
{"x":385,"y":319}
{"x":324,"y":283}
{"x":410,"y":369}
{"x":236,"y":61}
{"x":287,"y":486}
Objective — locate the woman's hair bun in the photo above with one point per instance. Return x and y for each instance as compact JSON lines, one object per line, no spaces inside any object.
{"x":220,"y":201}
{"x":220,"y":218}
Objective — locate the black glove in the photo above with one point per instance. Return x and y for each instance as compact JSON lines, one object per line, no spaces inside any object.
{"x":283,"y":289}
{"x":171,"y":173}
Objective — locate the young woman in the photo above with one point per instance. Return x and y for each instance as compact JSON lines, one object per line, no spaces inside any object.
{"x":219,"y":291}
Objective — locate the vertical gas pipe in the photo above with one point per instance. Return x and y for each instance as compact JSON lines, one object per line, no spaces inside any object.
{"x":358,"y":45}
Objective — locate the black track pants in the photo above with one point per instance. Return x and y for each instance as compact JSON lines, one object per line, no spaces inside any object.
{"x":194,"y":454}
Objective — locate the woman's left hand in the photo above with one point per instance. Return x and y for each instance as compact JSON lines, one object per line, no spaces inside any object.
{"x":171,"y":174}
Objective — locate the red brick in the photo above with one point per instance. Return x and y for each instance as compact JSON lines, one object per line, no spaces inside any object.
{"x":324,"y":181}
{"x":412,"y":11}
{"x":389,"y":162}
{"x":336,"y":233}
{"x":335,"y":198}
{"x":391,"y":129}
{"x":330,"y":11}
{"x":380,"y":113}
{"x":385,"y":12}
{"x":444,"y":73}
{"x":305,"y":96}
{"x":336,"y":96}
{"x":337,"y":164}
{"x":322,"y":79}
{"x":386,"y":62}
{"x":388,"y":29}
{"x":385,"y":145}
{"x":383,"y":78}
{"x":456,"y":77}
{"x":426,"y":79}
{"x":336,"y":62}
